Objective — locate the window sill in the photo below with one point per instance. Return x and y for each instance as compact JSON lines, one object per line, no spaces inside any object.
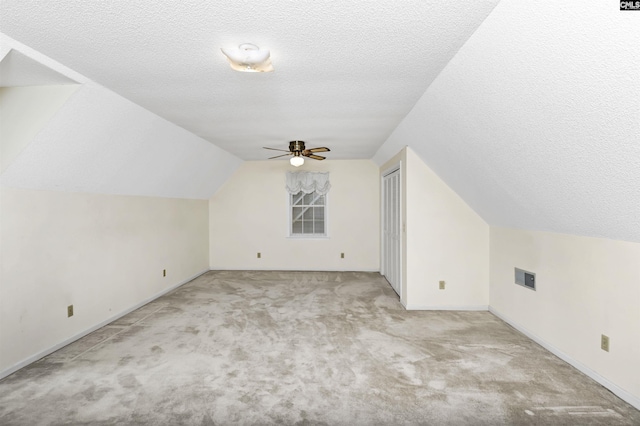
{"x":308,"y":237}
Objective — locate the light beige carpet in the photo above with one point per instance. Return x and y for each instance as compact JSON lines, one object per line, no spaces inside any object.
{"x":303,"y":348}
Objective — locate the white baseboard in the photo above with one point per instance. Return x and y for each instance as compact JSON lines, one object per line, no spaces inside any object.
{"x":623,"y":394}
{"x":294,"y":269}
{"x":42,"y":354}
{"x":411,"y":307}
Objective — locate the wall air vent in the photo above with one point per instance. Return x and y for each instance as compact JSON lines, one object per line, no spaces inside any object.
{"x":525,"y":278}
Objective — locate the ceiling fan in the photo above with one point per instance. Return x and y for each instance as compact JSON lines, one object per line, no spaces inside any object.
{"x":297,"y":149}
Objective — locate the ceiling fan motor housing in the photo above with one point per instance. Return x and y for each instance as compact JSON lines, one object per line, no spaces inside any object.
{"x":296,"y":146}
{"x":297,"y":149}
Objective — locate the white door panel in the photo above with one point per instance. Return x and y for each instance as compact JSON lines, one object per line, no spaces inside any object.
{"x":392,"y":229}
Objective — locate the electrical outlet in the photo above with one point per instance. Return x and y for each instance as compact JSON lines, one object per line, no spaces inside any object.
{"x":69,"y":311}
{"x":164,"y":272}
{"x":341,"y":255}
{"x":259,"y":255}
{"x":604,"y":343}
{"x":442,"y":285}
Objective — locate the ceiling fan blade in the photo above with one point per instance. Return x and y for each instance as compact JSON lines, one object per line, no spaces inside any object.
{"x":320,"y":149}
{"x":276,"y":149}
{"x":315,"y":157}
{"x":278,"y":156}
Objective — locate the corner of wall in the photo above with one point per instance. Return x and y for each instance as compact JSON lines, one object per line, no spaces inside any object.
{"x":585,"y":287}
{"x":104,"y":254}
{"x":446,"y":241}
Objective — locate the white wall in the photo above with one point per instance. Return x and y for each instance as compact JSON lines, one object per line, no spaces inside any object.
{"x":102,"y":253}
{"x":585,"y":287}
{"x":446,"y":240}
{"x":249,"y":214}
{"x":24,"y":111}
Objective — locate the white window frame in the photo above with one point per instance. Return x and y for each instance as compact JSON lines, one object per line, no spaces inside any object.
{"x":290,"y":233}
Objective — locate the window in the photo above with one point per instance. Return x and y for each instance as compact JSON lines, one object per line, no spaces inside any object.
{"x":308,"y":214}
{"x":308,"y":203}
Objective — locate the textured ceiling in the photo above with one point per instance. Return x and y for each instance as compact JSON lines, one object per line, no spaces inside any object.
{"x":346,"y":73}
{"x":536,"y":121}
{"x":533,"y":116}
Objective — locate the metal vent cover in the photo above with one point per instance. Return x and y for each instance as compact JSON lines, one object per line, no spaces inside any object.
{"x":525,"y":278}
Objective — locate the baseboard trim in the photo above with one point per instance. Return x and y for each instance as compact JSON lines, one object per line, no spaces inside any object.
{"x":42,"y":354}
{"x":410,"y":307}
{"x":621,"y":393}
{"x":295,"y":270}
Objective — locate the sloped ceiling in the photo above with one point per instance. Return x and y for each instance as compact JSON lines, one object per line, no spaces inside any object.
{"x":94,"y":140}
{"x":18,"y":70}
{"x":24,"y":112}
{"x":536,"y":121}
{"x":346,"y":73}
{"x":99,"y":142}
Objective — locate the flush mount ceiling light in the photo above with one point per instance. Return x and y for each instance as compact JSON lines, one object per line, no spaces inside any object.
{"x":249,"y":58}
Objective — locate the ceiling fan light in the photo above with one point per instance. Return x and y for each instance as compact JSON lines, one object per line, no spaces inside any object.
{"x":296,"y":161}
{"x":249,"y":58}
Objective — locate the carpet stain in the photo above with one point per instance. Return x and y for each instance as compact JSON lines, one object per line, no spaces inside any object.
{"x":192,"y":330}
{"x":94,"y":393}
{"x":157,"y":349}
{"x":128,"y":381}
{"x":125,"y":360}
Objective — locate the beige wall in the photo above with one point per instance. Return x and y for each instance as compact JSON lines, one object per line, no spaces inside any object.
{"x":446,"y":240}
{"x":102,"y":253}
{"x":585,"y":287}
{"x":249,"y":214}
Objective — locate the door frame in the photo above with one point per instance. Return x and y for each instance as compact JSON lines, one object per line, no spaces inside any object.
{"x":386,"y":172}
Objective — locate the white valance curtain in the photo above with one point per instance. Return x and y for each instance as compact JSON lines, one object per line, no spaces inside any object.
{"x":308,"y":182}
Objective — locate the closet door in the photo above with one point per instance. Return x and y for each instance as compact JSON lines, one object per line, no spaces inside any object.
{"x":391,"y":230}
